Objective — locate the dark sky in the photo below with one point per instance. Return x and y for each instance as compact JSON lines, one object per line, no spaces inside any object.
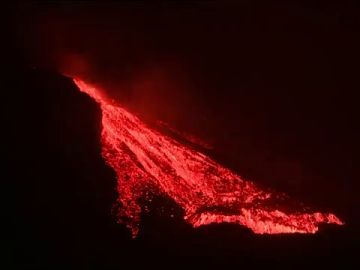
{"x":272,"y":87}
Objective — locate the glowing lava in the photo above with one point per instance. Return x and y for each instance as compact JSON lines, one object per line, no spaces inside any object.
{"x":145,"y":160}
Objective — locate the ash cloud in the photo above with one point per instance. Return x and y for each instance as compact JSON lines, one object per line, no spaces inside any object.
{"x":131,"y":52}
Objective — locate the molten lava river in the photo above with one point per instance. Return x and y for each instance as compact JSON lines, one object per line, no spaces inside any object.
{"x":147,"y":161}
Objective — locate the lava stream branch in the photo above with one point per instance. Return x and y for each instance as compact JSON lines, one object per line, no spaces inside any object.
{"x":145,"y":160}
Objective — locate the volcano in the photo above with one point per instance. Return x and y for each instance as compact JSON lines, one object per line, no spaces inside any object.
{"x":149,"y":162}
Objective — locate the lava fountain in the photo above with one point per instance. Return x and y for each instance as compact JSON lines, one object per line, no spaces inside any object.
{"x":147,"y":161}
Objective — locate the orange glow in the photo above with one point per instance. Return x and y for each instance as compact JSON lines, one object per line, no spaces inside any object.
{"x":146,"y":161}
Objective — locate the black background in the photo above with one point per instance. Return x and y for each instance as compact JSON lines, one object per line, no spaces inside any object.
{"x":271,"y":86}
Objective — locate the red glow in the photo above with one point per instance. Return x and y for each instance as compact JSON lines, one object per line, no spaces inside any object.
{"x":145,"y":160}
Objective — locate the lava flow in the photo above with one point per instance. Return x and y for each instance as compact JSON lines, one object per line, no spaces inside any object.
{"x":145,"y":160}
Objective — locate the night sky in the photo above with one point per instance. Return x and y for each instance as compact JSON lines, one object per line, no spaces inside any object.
{"x":271,"y":87}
